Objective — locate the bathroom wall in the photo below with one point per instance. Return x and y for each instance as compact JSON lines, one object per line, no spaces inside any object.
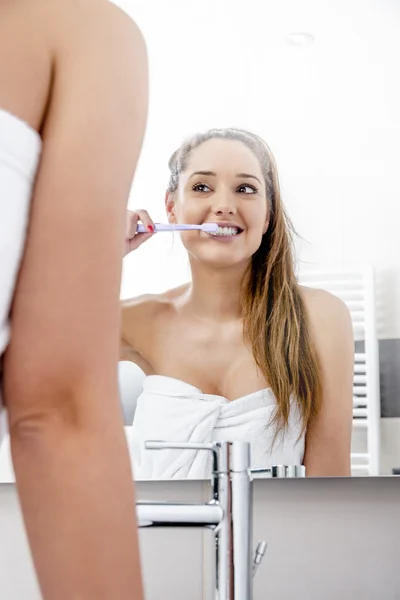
{"x":328,"y":539}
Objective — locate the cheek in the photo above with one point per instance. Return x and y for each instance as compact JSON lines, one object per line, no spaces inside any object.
{"x":189,"y":210}
{"x":256,"y":217}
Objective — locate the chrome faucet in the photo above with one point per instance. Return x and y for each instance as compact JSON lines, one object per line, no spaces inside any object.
{"x":229,"y":513}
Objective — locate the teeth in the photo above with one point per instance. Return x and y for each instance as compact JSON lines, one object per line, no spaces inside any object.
{"x":226,"y":231}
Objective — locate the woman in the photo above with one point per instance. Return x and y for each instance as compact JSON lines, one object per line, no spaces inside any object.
{"x":73,"y":100}
{"x":242,"y":351}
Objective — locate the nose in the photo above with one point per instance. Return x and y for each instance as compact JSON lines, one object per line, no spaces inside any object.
{"x":224,"y":209}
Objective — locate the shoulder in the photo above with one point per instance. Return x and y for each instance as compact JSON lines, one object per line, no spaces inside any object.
{"x":97,"y":28}
{"x":140,"y":317}
{"x":99,"y":11}
{"x":146,"y":305}
{"x":149,"y":310}
{"x":328,"y":317}
{"x":56,"y":48}
{"x":138,"y":311}
{"x":70,"y":29}
{"x":71,"y":35}
{"x":85,"y":15}
{"x":152,"y":305}
{"x":322,"y":305}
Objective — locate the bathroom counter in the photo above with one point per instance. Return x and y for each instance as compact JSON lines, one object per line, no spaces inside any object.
{"x":327,"y":538}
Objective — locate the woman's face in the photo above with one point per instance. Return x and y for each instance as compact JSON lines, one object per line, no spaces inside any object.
{"x":223,"y":183}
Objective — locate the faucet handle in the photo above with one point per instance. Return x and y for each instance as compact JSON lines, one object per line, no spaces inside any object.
{"x":219,"y":455}
{"x":259,"y":555}
{"x":227,"y":456}
{"x":218,"y":450}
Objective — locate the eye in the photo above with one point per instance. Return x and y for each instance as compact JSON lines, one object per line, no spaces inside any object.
{"x":246,"y":188}
{"x":200,"y":187}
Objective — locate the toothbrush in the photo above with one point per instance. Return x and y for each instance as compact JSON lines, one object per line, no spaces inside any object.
{"x":207,"y":227}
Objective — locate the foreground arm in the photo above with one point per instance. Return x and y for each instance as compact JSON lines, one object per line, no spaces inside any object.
{"x":67,"y":438}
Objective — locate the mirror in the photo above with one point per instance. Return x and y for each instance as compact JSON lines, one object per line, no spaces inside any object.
{"x":316,"y":81}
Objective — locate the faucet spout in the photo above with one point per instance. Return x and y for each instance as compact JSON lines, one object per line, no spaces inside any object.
{"x":162,"y":514}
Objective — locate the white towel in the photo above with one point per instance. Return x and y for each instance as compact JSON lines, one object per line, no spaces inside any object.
{"x":20,"y":148}
{"x":171,"y":410}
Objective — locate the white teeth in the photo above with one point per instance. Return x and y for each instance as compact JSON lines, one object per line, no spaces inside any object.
{"x":226,"y":231}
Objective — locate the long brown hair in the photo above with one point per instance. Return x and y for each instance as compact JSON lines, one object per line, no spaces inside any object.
{"x":275,"y":323}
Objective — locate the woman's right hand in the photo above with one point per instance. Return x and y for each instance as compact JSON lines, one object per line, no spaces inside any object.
{"x":133,"y":239}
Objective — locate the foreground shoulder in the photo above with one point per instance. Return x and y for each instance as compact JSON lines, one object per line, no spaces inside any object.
{"x":72,"y":19}
{"x":79,"y":8}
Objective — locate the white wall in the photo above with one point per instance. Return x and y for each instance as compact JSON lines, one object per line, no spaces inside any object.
{"x":329,"y":111}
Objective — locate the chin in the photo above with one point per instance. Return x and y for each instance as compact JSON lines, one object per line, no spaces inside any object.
{"x":222,"y":259}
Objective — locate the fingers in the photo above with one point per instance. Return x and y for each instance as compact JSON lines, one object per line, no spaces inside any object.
{"x":133,"y":239}
{"x":142,"y":216}
{"x":136,"y":241}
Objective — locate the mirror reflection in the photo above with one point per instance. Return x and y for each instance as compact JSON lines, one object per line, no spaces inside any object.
{"x":242,"y":351}
{"x":280,"y":329}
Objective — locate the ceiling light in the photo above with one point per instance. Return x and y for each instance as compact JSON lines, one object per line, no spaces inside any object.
{"x":300,"y":38}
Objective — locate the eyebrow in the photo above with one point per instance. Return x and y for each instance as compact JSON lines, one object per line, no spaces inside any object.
{"x":212,"y":174}
{"x":247,"y":176}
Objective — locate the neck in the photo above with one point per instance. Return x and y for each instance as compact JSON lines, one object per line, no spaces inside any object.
{"x":214,"y":294}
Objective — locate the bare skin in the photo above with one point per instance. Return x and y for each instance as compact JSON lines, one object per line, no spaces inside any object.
{"x":194,"y":333}
{"x":76,"y":72}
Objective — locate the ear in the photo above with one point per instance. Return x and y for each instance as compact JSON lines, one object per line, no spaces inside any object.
{"x":266,"y":227}
{"x":170,"y":207}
